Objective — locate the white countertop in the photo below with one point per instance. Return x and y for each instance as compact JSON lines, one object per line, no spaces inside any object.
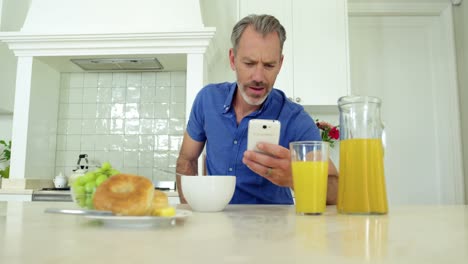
{"x":6,"y":193}
{"x":240,"y":234}
{"x":17,"y":191}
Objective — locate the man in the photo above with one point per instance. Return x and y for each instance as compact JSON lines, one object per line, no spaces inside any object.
{"x":221,"y":113}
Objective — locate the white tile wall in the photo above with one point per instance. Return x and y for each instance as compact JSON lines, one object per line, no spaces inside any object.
{"x":133,"y":120}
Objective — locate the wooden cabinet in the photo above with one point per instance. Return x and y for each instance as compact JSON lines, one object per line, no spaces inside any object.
{"x":315,"y":67}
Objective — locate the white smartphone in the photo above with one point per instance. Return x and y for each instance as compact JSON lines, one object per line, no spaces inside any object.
{"x":262,"y":130}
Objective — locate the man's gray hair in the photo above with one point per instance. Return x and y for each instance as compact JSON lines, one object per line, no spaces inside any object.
{"x":263,"y":24}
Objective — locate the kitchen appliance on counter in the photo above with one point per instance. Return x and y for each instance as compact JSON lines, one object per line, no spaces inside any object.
{"x":60,"y":181}
{"x":165,"y":185}
{"x":80,"y":170}
{"x":52,"y":195}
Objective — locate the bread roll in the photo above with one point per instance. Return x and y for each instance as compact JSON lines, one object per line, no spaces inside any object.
{"x":125,"y":194}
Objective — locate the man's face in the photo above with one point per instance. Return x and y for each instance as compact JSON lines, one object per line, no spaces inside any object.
{"x":257,"y":63}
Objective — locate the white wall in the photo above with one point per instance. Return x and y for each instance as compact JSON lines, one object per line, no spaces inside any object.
{"x":13,"y":13}
{"x":42,"y":121}
{"x":392,"y":57}
{"x":5,"y":127}
{"x":461,"y":38}
{"x":7,"y":79}
{"x":219,"y":14}
{"x":1,"y":7}
{"x":5,"y":131}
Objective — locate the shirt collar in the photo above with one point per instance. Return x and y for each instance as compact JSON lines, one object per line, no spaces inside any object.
{"x":228,"y":103}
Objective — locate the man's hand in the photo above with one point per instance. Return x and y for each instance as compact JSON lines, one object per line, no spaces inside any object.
{"x":275,"y":167}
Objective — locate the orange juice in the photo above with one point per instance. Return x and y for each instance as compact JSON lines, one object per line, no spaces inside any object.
{"x":361,"y":185}
{"x":310,"y":185}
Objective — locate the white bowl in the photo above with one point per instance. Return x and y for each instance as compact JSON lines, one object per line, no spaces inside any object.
{"x":208,"y":193}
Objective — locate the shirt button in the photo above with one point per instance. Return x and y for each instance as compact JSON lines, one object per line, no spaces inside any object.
{"x":230,"y":169}
{"x":235,"y":141}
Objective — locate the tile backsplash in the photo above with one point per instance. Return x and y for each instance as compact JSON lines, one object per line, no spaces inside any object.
{"x":134,"y":120}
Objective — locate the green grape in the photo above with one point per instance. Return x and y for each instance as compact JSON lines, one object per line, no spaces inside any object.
{"x":89,"y":202}
{"x":99,"y":174}
{"x":79,"y":190}
{"x":82,"y":202}
{"x":89,"y":177}
{"x":90,"y":186}
{"x":79,"y":195}
{"x":100,"y":179}
{"x":85,"y":186}
{"x":113,"y":172}
{"x":76,"y":184}
{"x":106,"y":166}
{"x":79,"y":181}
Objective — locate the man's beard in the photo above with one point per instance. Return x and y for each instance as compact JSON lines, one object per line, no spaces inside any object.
{"x":249,"y":100}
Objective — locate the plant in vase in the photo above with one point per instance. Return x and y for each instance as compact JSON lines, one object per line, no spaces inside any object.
{"x":5,"y":158}
{"x":329,"y":133}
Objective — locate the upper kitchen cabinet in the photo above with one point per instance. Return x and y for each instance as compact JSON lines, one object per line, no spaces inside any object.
{"x":315,"y":67}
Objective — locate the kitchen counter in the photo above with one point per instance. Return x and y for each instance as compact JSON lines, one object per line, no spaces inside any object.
{"x":16,"y":194}
{"x":240,"y":234}
{"x":55,"y":195}
{"x":65,"y":196}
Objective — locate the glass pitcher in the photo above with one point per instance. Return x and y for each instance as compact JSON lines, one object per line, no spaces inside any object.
{"x":361,"y":185}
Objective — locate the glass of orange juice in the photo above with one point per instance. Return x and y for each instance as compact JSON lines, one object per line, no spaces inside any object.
{"x":309,"y":162}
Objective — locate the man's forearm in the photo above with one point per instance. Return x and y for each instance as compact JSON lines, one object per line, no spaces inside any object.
{"x":332,"y":189}
{"x":184,"y":167}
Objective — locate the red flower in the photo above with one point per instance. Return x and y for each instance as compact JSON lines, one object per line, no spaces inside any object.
{"x":328,"y":132}
{"x":334,"y":133}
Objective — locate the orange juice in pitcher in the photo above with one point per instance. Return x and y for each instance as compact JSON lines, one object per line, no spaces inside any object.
{"x":361,"y":184}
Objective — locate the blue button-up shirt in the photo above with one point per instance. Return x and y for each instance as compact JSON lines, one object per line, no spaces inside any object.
{"x":213,"y":120}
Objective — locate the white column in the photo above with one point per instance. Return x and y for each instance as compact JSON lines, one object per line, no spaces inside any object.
{"x":194,"y":80}
{"x":21,"y":118}
{"x":195,"y":66}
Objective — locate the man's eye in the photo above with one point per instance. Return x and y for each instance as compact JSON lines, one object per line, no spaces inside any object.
{"x":249,"y":63}
{"x":269,"y":66}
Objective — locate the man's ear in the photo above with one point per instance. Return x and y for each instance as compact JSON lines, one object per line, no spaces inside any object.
{"x":231,"y":59}
{"x":281,"y":61}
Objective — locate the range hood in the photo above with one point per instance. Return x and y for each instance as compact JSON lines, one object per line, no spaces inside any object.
{"x":112,"y":16}
{"x":109,"y":29}
{"x":85,"y":19}
{"x":135,"y":64}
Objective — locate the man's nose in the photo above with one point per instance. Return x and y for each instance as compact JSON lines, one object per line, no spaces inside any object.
{"x":258,"y":74}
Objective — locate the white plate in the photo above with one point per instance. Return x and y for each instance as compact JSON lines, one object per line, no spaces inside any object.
{"x":140,"y":221}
